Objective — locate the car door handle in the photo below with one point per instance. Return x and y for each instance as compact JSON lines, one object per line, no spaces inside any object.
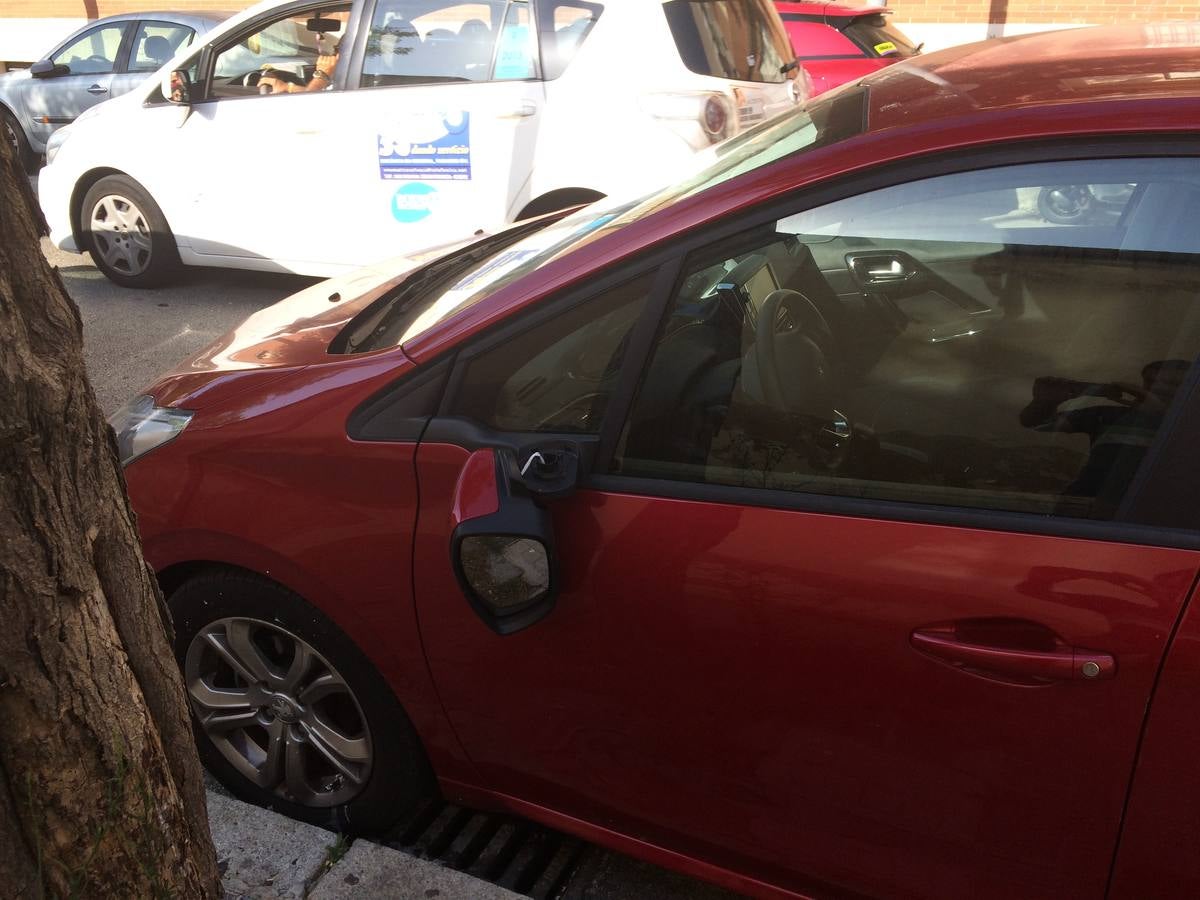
{"x":522,"y":110}
{"x":97,"y":89}
{"x":1063,"y":664}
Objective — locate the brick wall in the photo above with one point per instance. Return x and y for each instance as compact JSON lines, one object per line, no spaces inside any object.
{"x":1050,"y":12}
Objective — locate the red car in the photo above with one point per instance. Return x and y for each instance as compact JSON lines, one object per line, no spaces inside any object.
{"x":836,"y":44}
{"x":823,"y":524}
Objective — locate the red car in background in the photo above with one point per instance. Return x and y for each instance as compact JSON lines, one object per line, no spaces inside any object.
{"x":836,"y":44}
{"x":825,"y":524}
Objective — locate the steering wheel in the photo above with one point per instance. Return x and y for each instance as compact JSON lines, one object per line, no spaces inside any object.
{"x":795,"y":354}
{"x":96,"y":57}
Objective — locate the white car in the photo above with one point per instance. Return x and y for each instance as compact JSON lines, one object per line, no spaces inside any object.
{"x":440,"y":117}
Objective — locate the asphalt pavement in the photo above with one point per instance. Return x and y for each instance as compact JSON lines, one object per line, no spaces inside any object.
{"x":131,"y":337}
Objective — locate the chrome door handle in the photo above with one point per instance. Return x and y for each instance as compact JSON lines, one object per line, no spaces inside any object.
{"x":523,"y":110}
{"x":97,"y":89}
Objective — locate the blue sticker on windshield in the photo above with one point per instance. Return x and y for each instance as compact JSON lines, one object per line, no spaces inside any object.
{"x":427,"y":147}
{"x":413,"y":202}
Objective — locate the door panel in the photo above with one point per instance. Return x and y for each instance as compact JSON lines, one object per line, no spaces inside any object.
{"x":1164,"y":803}
{"x":93,"y":58}
{"x":719,"y":676}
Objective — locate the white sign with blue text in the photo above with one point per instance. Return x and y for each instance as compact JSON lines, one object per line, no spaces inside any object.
{"x":434,"y":146}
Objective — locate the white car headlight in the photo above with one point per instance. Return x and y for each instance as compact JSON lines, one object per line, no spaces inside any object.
{"x":141,"y":426}
{"x":56,"y":141}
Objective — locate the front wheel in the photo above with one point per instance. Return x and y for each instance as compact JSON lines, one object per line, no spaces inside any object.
{"x":15,"y":135}
{"x":287,"y":712}
{"x":127,"y":233}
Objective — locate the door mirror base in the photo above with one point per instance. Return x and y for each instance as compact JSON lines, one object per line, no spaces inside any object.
{"x":44,"y":68}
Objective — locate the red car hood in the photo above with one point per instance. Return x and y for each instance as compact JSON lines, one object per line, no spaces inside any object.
{"x":291,"y":334}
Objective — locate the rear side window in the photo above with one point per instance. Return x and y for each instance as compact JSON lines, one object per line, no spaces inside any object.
{"x":879,"y":37}
{"x":418,"y":42}
{"x":742,"y":40}
{"x":156,"y":42}
{"x":562,"y":29}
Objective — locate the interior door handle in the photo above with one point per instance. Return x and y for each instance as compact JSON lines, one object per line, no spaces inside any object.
{"x":1065,"y":664}
{"x":97,"y":89}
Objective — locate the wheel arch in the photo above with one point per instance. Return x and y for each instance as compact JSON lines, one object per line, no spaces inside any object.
{"x":559,"y":198}
{"x":82,"y":186}
{"x":192,"y":554}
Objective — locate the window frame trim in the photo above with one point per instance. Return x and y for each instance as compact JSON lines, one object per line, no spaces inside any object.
{"x":1157,"y":484}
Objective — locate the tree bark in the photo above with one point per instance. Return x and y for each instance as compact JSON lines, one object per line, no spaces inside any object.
{"x":100,"y":787}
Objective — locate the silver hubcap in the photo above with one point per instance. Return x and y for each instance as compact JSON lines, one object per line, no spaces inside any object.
{"x":121,"y":235}
{"x":278,"y":712}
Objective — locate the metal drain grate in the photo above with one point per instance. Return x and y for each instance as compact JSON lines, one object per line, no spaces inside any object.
{"x":512,"y":853}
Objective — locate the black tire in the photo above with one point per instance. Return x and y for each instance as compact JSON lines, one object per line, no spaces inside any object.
{"x":136,"y":248}
{"x":399,"y":773}
{"x":15,"y":135}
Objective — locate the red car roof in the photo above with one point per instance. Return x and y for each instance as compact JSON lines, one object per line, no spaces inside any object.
{"x":1114,"y":80}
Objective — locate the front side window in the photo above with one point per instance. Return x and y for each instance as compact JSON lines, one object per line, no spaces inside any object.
{"x":156,"y":43}
{"x":281,"y":57}
{"x":417,"y":42}
{"x":557,"y":376}
{"x":742,"y":40}
{"x":940,"y":342}
{"x":94,"y":52}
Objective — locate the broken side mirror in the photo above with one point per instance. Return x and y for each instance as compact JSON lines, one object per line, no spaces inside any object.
{"x":502,"y":548}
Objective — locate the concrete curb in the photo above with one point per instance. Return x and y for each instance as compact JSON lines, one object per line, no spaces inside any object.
{"x":266,"y":856}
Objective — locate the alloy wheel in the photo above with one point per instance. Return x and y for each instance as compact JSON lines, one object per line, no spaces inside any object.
{"x":278,"y":711}
{"x":121,"y":234}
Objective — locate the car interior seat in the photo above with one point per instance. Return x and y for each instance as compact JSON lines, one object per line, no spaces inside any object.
{"x":475,"y":41}
{"x":157,"y":48}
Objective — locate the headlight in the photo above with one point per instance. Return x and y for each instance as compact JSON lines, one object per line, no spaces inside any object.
{"x":56,"y":141}
{"x":141,"y":426}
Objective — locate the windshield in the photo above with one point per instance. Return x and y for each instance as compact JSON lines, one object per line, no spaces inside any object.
{"x":450,"y":288}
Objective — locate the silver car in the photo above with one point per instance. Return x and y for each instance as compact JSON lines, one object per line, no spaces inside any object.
{"x":101,"y":60}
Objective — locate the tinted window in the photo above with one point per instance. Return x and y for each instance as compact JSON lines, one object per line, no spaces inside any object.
{"x":741,"y":40}
{"x":938,"y":342}
{"x":559,"y":375}
{"x":562,"y":29}
{"x":94,"y":52}
{"x":878,"y":36}
{"x":155,"y":43}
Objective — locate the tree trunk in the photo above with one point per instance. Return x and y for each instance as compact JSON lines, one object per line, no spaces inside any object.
{"x":100,"y":787}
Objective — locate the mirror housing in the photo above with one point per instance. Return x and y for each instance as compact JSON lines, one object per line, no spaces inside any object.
{"x":177,"y":87}
{"x":319,"y":25}
{"x":44,"y":68}
{"x":502,"y":549}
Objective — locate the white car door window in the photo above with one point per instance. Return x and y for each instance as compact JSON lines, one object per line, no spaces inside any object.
{"x":287,"y":49}
{"x":410,"y":43}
